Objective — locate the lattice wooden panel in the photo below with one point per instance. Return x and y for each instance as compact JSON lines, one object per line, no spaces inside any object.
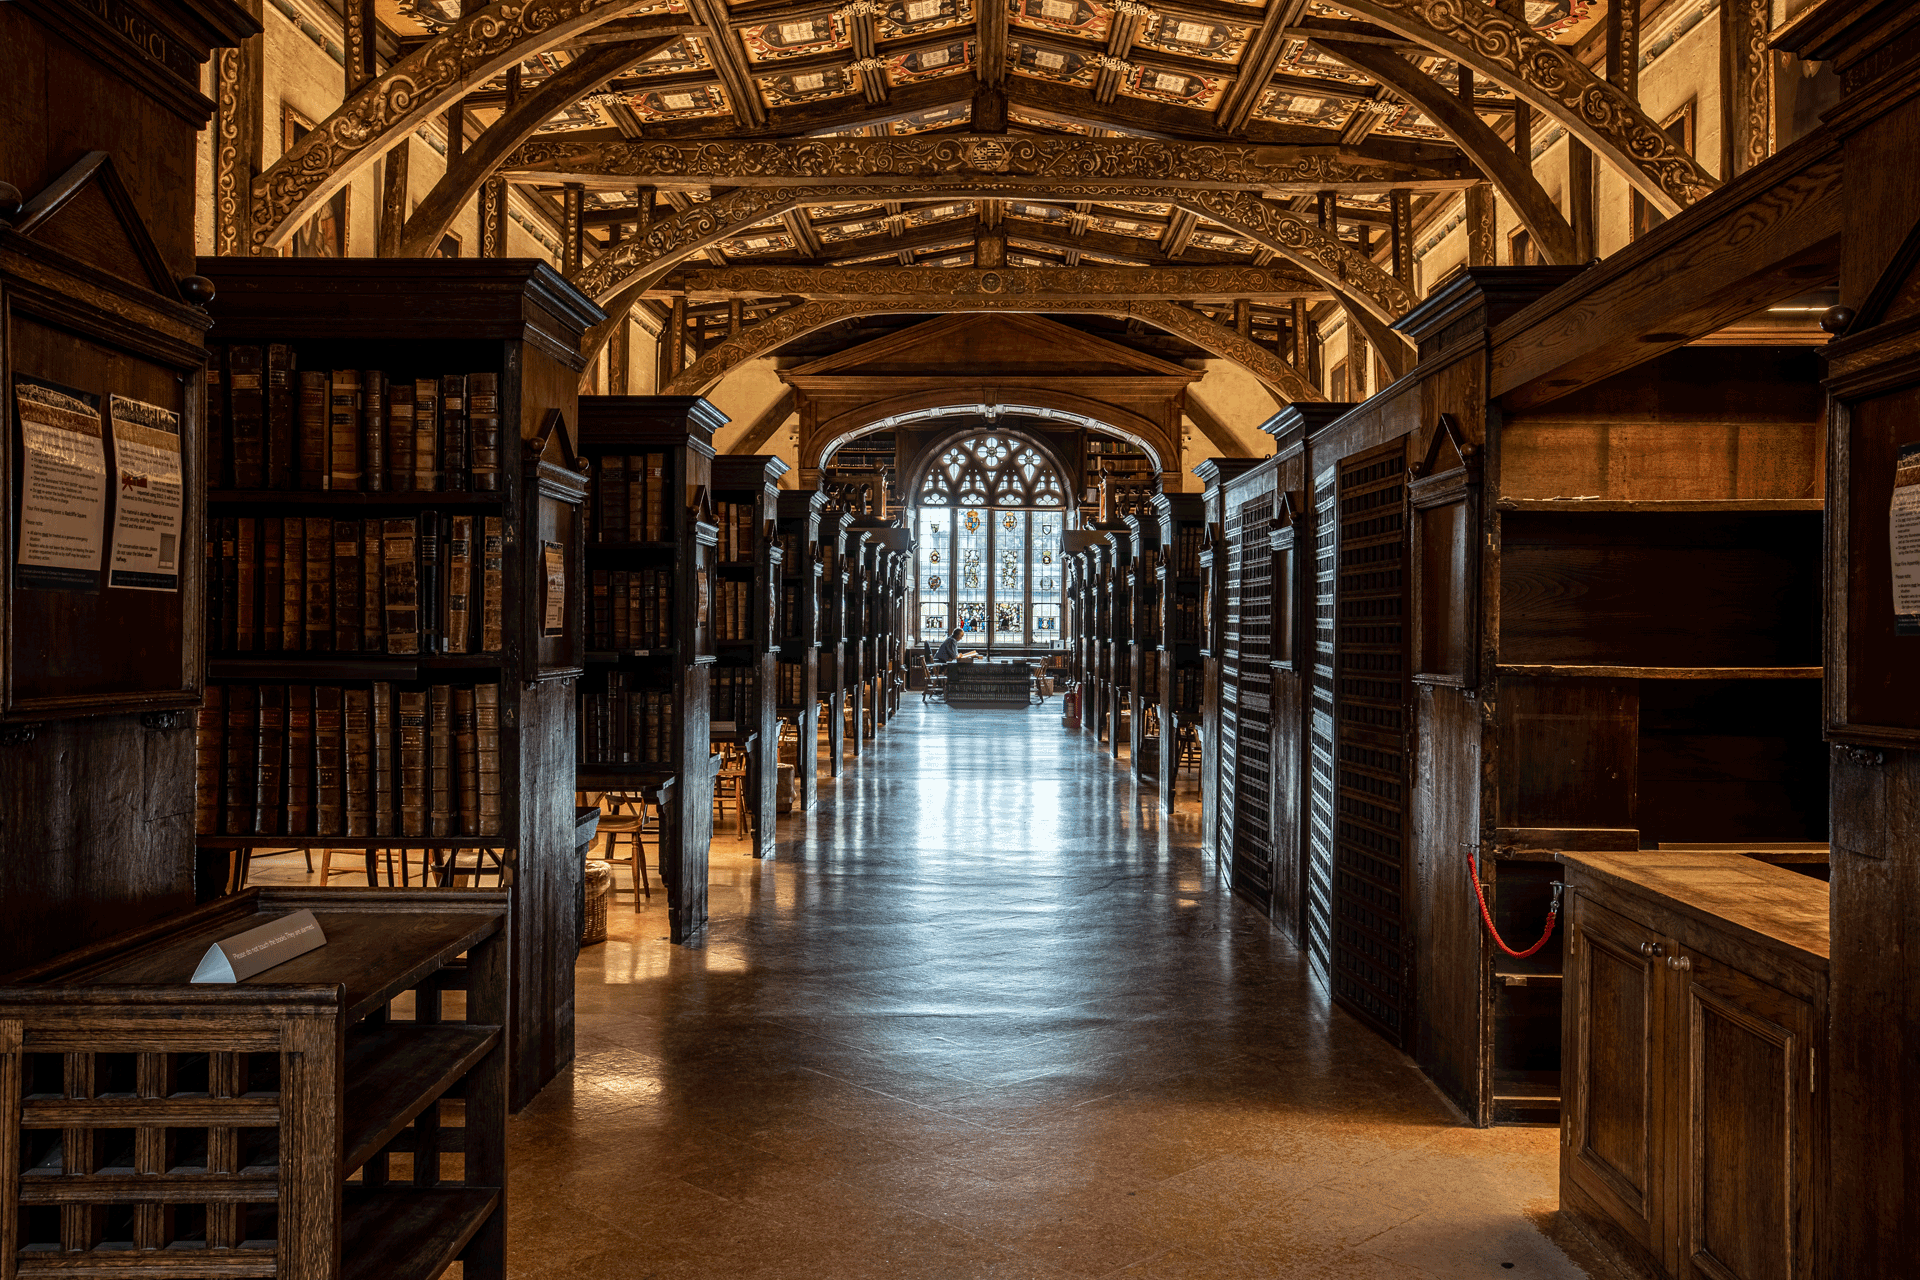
{"x":1320,"y":733}
{"x":1253,"y":770}
{"x":1371,"y":938}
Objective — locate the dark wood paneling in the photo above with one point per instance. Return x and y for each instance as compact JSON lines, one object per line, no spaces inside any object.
{"x":1446,"y":818}
{"x":1568,"y":752}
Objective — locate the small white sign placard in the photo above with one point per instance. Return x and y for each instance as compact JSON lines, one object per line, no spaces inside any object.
{"x":260,"y":948}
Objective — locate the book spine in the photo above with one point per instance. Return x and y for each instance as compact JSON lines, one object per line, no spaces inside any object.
{"x":229,"y":583}
{"x":270,"y":761}
{"x":357,"y":774}
{"x":373,"y":590}
{"x":400,"y":572}
{"x":656,"y":497}
{"x":440,"y":811}
{"x":413,"y":784}
{"x":636,"y":517}
{"x":600,"y":610}
{"x":373,"y":430}
{"x":282,"y":392}
{"x":467,"y":755}
{"x":272,"y":582}
{"x":209,"y":742}
{"x":246,"y":606}
{"x":238,"y":795}
{"x":486,"y":732}
{"x":329,"y":762}
{"x":215,"y":468}
{"x":343,"y":431}
{"x":610,"y":494}
{"x":319,"y":584}
{"x":400,"y":429}
{"x":427,"y":588}
{"x":316,"y":400}
{"x":299,"y":760}
{"x":426,"y":435}
{"x":346,"y":586}
{"x":483,"y":430}
{"x":453,"y":434}
{"x":247,"y":406}
{"x":459,"y":584}
{"x":292,"y":602}
{"x":493,"y":610}
{"x":383,"y":759}
{"x":622,"y":609}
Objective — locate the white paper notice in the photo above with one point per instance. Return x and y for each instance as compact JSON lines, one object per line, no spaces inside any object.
{"x":63,"y":486}
{"x":147,"y":505}
{"x":1904,"y":534}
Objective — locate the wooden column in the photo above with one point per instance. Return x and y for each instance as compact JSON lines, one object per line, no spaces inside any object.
{"x":1481,"y":249}
{"x":493,"y":218}
{"x":677,"y":337}
{"x":1746,"y":84}
{"x":1581,"y":213}
{"x":619,"y":359}
{"x":359,"y":27}
{"x":1243,"y":318}
{"x":1326,"y":207}
{"x":1359,"y":358}
{"x":573,"y":228}
{"x":456,"y":132}
{"x":1623,"y":47}
{"x":1523,"y":132}
{"x":393,"y":199}
{"x":1298,"y":334}
{"x":643,"y":203}
{"x":736,"y":311}
{"x":238,"y":95}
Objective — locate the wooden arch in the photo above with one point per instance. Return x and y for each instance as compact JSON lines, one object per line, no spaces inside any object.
{"x":779,"y":329}
{"x":919,"y":406}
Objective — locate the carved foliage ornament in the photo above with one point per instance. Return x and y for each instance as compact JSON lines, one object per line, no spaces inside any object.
{"x":1013,"y":282}
{"x":230,"y":194}
{"x":935,"y":156}
{"x":426,"y":81}
{"x":1514,"y":55}
{"x":642,"y":261}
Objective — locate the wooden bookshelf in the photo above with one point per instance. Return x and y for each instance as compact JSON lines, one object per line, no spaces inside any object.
{"x":645,"y":707}
{"x":1145,"y":721}
{"x":1216,"y":746}
{"x":798,"y":633}
{"x":393,"y":645}
{"x":833,"y":657}
{"x":853,"y":557}
{"x":342,"y":1114}
{"x":889,"y":552}
{"x":1176,"y":638}
{"x":753,"y":562}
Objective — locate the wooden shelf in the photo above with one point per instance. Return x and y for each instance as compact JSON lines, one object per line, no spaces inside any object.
{"x":1659,"y":673}
{"x":615,"y":655}
{"x":1702,"y":506}
{"x":323,"y":667}
{"x":396,"y":1070}
{"x":409,"y":1234}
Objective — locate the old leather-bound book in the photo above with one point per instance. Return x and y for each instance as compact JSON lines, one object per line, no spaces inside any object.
{"x":414,"y":784}
{"x":357,"y":774}
{"x":329,"y":761}
{"x":209,"y":741}
{"x":247,"y":415}
{"x":299,"y":760}
{"x":483,"y":429}
{"x":282,"y":394}
{"x":400,"y":572}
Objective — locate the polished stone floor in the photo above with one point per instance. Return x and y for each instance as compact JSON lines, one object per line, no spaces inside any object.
{"x":989,"y":1015}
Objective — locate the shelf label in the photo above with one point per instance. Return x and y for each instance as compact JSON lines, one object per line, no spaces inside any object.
{"x":260,"y":949}
{"x":1904,"y":537}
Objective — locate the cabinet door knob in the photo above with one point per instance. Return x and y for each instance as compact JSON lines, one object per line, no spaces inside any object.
{"x":1652,"y":949}
{"x":1679,"y":962}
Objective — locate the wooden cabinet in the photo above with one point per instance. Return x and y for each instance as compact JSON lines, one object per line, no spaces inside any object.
{"x":1693,"y":1133}
{"x":342,"y":1114}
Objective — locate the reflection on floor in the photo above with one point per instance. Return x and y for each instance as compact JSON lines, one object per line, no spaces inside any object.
{"x":989,"y":1016}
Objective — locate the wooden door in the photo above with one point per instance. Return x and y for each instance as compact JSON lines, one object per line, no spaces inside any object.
{"x":1372,"y":925}
{"x":1746,"y":1141}
{"x":1611,"y":1150}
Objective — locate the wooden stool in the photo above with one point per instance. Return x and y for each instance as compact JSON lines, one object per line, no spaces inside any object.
{"x":615,"y":825}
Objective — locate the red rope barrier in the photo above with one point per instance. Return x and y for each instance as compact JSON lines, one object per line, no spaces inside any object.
{"x":1479,"y":892}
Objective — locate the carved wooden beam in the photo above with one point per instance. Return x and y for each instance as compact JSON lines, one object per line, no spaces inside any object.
{"x":1261,"y":58}
{"x":1540,"y":72}
{"x":1510,"y":175}
{"x":238,"y":75}
{"x":412,"y":91}
{"x":928,"y":162}
{"x":1043,"y":286}
{"x":1218,"y":432}
{"x":796,"y":322}
{"x":1747,"y":80}
{"x":442,"y":205}
{"x":644,"y":260}
{"x":729,"y":59}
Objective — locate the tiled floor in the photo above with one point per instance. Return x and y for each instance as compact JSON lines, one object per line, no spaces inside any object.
{"x":988,"y":1015}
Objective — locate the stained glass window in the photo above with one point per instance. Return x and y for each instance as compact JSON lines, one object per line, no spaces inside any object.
{"x":992,"y":510}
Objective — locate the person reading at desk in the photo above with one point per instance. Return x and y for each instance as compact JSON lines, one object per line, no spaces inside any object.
{"x":949,"y":650}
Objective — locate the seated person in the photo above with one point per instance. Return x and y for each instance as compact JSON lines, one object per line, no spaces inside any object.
{"x":949,"y":650}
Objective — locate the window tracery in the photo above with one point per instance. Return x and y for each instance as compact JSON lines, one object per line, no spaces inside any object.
{"x":991,"y":471}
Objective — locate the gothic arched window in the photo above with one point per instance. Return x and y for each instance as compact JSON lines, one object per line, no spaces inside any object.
{"x":995,"y":572}
{"x":991,"y":471}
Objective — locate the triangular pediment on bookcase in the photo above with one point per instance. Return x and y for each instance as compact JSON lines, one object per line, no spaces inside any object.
{"x":552,"y":443}
{"x":88,"y":214}
{"x":1446,"y":448}
{"x":975,"y":344}
{"x":1896,"y":293}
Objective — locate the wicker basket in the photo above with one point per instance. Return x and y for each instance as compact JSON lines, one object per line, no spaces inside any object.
{"x":599,"y":884}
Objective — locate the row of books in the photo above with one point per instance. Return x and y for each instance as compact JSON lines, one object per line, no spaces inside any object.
{"x":791,"y":689}
{"x":733,"y":610}
{"x":731,"y":696}
{"x":736,"y":521}
{"x":407,"y":585}
{"x":302,"y":760}
{"x":1184,"y":689}
{"x":629,"y":499}
{"x":1186,"y":551}
{"x":624,"y":725}
{"x":272,"y":425}
{"x":630,"y":609}
{"x":1186,"y":619}
{"x":794,"y":626}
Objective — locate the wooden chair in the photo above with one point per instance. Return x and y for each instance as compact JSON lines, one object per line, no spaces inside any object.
{"x":730,"y":783}
{"x":626,"y":817}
